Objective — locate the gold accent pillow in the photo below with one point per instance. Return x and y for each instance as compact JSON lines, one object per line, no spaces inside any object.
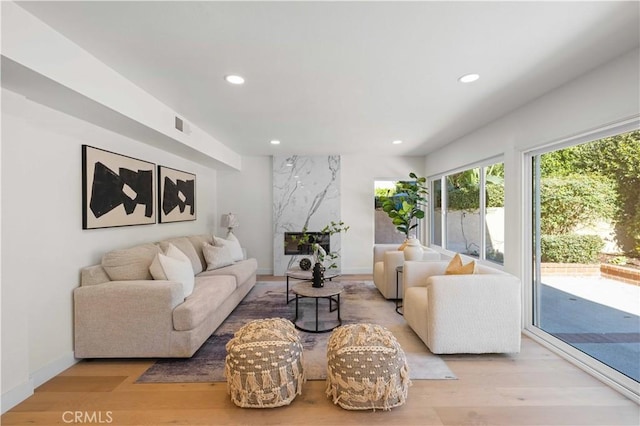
{"x":455,"y":267}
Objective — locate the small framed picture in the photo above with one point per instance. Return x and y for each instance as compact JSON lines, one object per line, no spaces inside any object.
{"x":177,"y":195}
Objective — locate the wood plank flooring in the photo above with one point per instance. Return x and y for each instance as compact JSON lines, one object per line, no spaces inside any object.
{"x":534,"y":387}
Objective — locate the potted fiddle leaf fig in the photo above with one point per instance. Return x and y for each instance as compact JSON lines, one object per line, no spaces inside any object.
{"x":405,"y":207}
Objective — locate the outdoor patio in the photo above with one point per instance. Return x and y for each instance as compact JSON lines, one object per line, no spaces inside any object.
{"x":596,"y":315}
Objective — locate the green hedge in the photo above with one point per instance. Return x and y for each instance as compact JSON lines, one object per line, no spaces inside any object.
{"x":571,"y":248}
{"x":468,"y":197}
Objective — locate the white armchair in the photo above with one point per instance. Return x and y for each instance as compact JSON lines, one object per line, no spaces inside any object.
{"x":478,"y":313}
{"x":386,"y":258}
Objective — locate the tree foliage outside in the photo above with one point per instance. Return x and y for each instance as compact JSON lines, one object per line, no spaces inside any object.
{"x":615,"y":159}
{"x":572,"y":200}
{"x":463,"y":189}
{"x":384,"y":192}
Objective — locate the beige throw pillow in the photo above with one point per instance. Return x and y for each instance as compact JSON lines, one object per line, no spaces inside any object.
{"x":131,"y":263}
{"x":174,"y":266}
{"x":232,"y":244}
{"x":456,"y":267}
{"x":217,"y":257}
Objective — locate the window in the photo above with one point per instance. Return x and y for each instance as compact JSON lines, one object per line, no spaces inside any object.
{"x":467,"y":211}
{"x":436,"y":212}
{"x":385,"y":230}
{"x":463,"y":212}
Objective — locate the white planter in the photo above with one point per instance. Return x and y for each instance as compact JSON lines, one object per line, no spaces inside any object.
{"x":413,"y":250}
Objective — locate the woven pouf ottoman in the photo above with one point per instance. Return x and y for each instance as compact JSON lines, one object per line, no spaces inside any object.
{"x":264,"y":366}
{"x":366,"y":368}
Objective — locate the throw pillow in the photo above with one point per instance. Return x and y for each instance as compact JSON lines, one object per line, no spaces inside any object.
{"x":216,"y":257}
{"x":174,"y":266}
{"x":232,"y":244}
{"x":456,"y":267}
{"x":173,"y":251}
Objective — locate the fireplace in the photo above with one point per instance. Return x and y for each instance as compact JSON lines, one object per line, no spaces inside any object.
{"x":292,"y":244}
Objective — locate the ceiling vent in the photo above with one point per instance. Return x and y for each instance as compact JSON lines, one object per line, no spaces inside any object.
{"x":179,"y":124}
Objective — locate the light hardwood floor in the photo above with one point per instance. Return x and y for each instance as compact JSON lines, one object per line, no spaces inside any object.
{"x":534,"y":387}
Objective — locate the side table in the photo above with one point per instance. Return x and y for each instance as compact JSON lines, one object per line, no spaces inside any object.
{"x":399,"y":271}
{"x":330,"y":291}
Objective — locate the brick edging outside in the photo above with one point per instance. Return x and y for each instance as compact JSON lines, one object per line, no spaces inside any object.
{"x":627,"y":275}
{"x":616,"y":272}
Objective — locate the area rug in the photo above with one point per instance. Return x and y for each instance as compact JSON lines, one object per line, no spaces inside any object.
{"x":360,"y":302}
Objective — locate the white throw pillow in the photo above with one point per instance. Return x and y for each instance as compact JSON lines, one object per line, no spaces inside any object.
{"x":174,"y":266}
{"x":216,"y":257}
{"x":233,"y":244}
{"x":176,"y":253}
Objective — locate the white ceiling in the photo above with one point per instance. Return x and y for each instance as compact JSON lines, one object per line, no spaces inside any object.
{"x":345,"y":77}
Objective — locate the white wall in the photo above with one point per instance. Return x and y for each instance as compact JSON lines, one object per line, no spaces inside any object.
{"x":605,"y":95}
{"x":249,"y":194}
{"x":56,"y":60}
{"x":43,"y":244}
{"x":359,"y":172}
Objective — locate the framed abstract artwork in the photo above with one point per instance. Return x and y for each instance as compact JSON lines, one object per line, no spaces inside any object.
{"x":177,"y":195}
{"x":116,"y":190}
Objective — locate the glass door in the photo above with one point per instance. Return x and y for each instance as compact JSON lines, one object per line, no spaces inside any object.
{"x":586,"y":245}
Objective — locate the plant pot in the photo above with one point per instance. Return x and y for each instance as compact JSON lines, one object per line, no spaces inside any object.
{"x":413,"y":250}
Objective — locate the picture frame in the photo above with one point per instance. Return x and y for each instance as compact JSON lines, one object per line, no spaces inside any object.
{"x":177,"y":195}
{"x":117,"y":190}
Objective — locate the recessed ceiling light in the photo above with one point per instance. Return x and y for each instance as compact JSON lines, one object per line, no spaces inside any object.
{"x":469,"y":78}
{"x":397,"y":142}
{"x":234,"y":79}
{"x":275,"y":142}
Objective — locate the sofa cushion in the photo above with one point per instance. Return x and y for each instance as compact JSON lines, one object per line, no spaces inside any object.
{"x":174,"y":266}
{"x":93,"y":275}
{"x":242,"y":270}
{"x":130,"y":264}
{"x":456,"y":267}
{"x":186,"y":246}
{"x":197,"y":241}
{"x":217,"y":257}
{"x":232,"y":243}
{"x":209,"y":293}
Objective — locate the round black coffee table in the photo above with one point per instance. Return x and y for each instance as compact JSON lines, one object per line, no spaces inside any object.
{"x":330,"y":291}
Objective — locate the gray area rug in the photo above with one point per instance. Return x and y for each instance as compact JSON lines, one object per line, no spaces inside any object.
{"x":360,"y":302}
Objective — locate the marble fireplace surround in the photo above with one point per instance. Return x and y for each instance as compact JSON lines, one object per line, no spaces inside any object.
{"x":306,"y":194}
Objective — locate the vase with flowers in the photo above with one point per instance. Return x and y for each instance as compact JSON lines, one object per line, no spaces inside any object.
{"x":322,"y":260}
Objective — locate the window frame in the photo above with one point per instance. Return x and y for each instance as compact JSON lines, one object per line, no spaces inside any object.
{"x":482,"y":165}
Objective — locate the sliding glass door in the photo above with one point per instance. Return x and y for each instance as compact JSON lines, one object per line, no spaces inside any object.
{"x":585,"y":202}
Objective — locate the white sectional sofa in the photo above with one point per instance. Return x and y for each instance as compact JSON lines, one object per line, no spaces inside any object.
{"x":476,"y":313}
{"x":122,"y":312}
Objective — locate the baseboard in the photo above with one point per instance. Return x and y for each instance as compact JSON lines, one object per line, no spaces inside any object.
{"x":23,"y":391}
{"x":264,"y":271}
{"x":15,"y":396}
{"x":51,"y":370}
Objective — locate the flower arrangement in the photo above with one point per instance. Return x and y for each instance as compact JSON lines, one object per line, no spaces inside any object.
{"x":319,"y":254}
